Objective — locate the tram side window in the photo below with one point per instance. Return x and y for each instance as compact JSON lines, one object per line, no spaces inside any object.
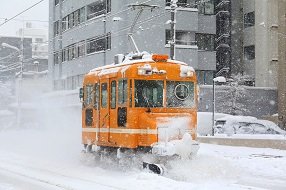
{"x":104,"y":95}
{"x":122,"y":91}
{"x":88,"y":92}
{"x":96,"y":96}
{"x":113,"y":95}
{"x":180,"y":94}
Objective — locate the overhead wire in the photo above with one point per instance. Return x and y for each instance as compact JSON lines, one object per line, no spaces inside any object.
{"x":25,"y":10}
{"x":26,"y":20}
{"x":116,"y":34}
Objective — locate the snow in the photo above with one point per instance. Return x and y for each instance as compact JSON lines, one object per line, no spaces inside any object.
{"x":5,"y":113}
{"x":205,"y":125}
{"x":117,"y":19}
{"x":233,"y":124}
{"x":52,"y":157}
{"x":186,"y":71}
{"x":205,"y":122}
{"x":251,"y":136}
{"x":220,"y":79}
{"x":48,"y":155}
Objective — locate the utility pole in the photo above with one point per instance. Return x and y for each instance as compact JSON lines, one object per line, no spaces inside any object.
{"x":282,"y":64}
{"x":173,"y":28}
{"x":20,"y":80}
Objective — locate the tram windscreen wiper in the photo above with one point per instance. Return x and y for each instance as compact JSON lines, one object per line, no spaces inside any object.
{"x":148,"y":104}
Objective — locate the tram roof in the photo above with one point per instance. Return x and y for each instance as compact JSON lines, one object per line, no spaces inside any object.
{"x":128,"y":62}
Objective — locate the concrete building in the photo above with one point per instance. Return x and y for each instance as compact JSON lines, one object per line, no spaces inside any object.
{"x":252,"y":37}
{"x":87,"y":34}
{"x":260,"y":39}
{"x":39,"y":46}
{"x":282,"y":64}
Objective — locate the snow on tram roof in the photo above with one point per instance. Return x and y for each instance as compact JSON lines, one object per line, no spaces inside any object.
{"x":129,"y":61}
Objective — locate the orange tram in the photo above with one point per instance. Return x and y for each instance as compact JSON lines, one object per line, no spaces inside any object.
{"x":145,"y":102}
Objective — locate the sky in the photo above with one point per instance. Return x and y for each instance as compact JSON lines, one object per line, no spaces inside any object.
{"x":10,"y":8}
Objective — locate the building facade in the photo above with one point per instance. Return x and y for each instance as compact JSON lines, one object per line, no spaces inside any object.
{"x":87,"y":34}
{"x":282,"y":64}
{"x":39,"y":46}
{"x":250,"y":28}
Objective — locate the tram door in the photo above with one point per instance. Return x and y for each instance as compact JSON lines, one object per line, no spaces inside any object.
{"x":104,"y":112}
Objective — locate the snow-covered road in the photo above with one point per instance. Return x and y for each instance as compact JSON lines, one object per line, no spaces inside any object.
{"x":51,"y":159}
{"x":47,"y":155}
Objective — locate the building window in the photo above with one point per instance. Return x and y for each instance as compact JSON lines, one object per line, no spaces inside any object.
{"x":56,"y":28}
{"x":82,"y":15}
{"x":249,"y":52}
{"x":205,"y":77}
{"x":72,"y":53}
{"x":65,"y":55}
{"x":81,"y":49}
{"x":70,"y":21}
{"x":206,"y":7}
{"x":205,"y":41}
{"x":184,"y":3}
{"x":57,"y":2}
{"x":76,"y":17}
{"x":249,"y":19}
{"x":182,"y":37}
{"x":56,"y":58}
{"x":64,"y":23}
{"x":98,"y":8}
{"x":97,"y":44}
{"x":39,"y":40}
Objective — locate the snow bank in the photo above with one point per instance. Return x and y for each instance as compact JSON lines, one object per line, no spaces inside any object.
{"x":205,"y":122}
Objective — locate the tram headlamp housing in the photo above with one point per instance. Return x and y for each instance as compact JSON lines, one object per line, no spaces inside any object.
{"x":190,"y":74}
{"x":148,"y":70}
{"x":145,"y":70}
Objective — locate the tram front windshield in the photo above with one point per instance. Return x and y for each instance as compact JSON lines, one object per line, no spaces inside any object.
{"x":149,"y":93}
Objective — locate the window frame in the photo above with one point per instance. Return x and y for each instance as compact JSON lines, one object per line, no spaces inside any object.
{"x":202,"y":7}
{"x":97,"y":8}
{"x":178,"y":41}
{"x":249,"y":52}
{"x":249,"y":19}
{"x":203,"y":41}
{"x":57,"y":2}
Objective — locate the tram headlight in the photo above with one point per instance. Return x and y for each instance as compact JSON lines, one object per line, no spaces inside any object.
{"x":190,"y":73}
{"x":141,"y":71}
{"x":145,"y":70}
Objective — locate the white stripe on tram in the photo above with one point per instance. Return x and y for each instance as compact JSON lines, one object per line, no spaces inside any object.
{"x":121,"y":131}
